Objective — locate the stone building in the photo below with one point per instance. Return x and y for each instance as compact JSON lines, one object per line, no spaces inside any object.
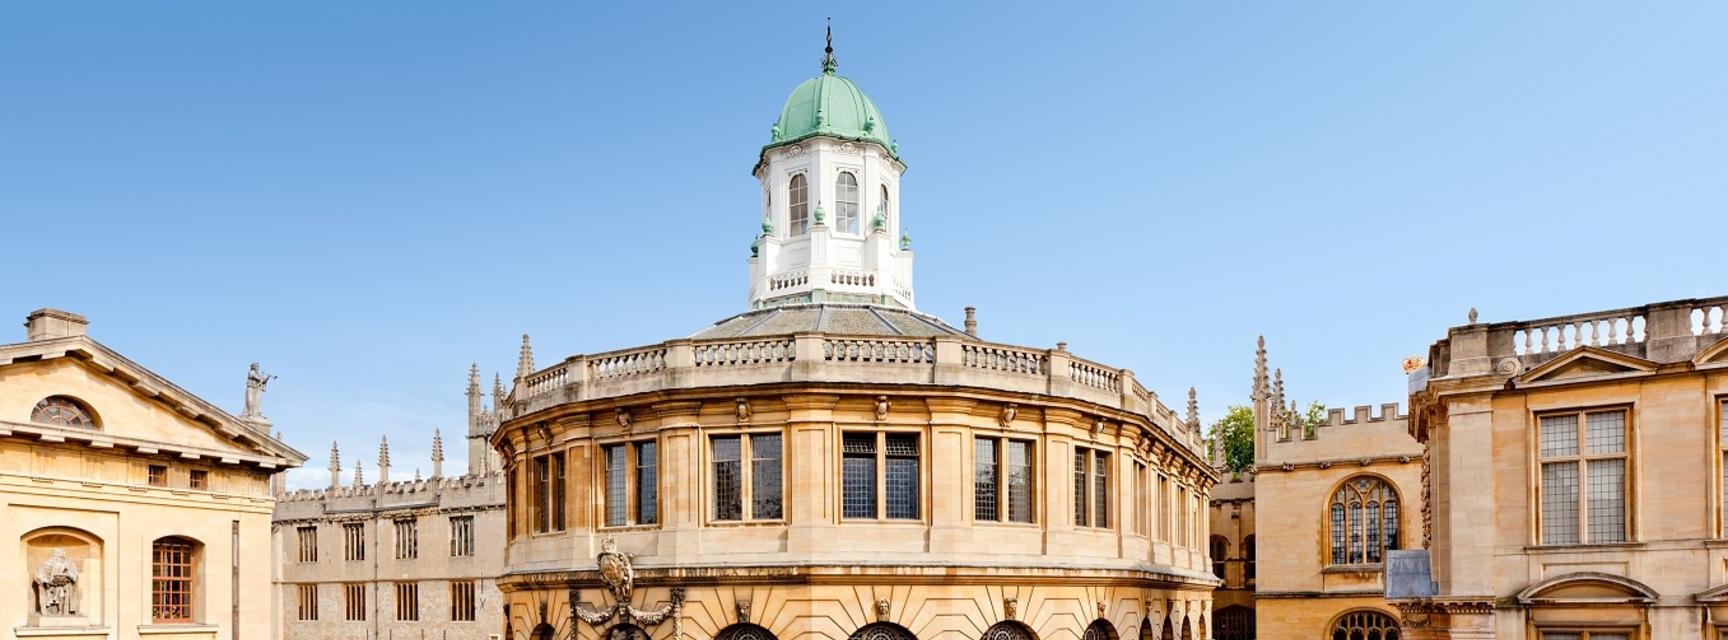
{"x":411,"y":559}
{"x":1577,"y":467}
{"x":131,"y":508}
{"x":1333,"y":498}
{"x":835,"y":464}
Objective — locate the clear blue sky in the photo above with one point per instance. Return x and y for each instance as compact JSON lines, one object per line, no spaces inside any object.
{"x":367,"y":196}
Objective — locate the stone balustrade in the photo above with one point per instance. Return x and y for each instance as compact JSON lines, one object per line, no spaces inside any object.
{"x":1662,"y":332}
{"x":818,"y":357}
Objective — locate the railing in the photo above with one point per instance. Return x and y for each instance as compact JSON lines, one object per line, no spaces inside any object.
{"x":724,"y":354}
{"x":546,"y":381}
{"x":788,"y":280}
{"x":852,"y":278}
{"x":630,"y":363}
{"x":1709,"y":319}
{"x":1563,"y":334}
{"x":1094,"y":375}
{"x":994,"y":358}
{"x":879,"y":350}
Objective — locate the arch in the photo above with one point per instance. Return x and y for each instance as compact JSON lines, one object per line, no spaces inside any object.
{"x":175,"y":585}
{"x":1169,"y":628}
{"x":1009,"y":630}
{"x":1587,"y":586}
{"x":846,"y":199}
{"x":1219,"y":549}
{"x":541,"y":631}
{"x":1100,"y":629}
{"x":1188,"y":629}
{"x":1234,"y":622}
{"x":1365,"y":624}
{"x":64,"y":571}
{"x":744,"y":631}
{"x":1248,"y":560}
{"x":797,"y":206}
{"x":64,"y":411}
{"x":882,"y":631}
{"x":1362,"y":520}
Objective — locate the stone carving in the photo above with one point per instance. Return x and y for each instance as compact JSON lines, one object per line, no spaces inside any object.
{"x":1010,"y":608}
{"x":619,"y":575}
{"x":256,"y":380}
{"x":1009,"y":411}
{"x":57,"y":586}
{"x":743,"y":409}
{"x":1097,"y":426}
{"x":1472,"y":316}
{"x":881,"y":609}
{"x":623,"y":417}
{"x":1509,"y":367}
{"x":882,"y":406}
{"x":1102,"y":608}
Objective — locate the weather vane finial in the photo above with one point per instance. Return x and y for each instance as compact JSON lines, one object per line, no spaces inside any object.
{"x":828,"y":61}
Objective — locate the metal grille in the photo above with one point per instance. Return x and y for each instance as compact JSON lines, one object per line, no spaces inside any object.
{"x":171,"y":580}
{"x":462,"y":602}
{"x":1365,"y":625}
{"x":1559,"y":436}
{"x":1605,"y":432}
{"x":1101,"y":489}
{"x":647,"y":483}
{"x":728,"y":478}
{"x":765,"y":485}
{"x":1080,"y":510}
{"x":798,"y":206}
{"x":1607,"y":500}
{"x":882,"y":631}
{"x":617,"y":501}
{"x":858,"y":476}
{"x":1099,"y":630}
{"x":744,"y":631}
{"x":984,"y":486}
{"x":1560,"y":503}
{"x":902,"y":476}
{"x":1019,"y":481}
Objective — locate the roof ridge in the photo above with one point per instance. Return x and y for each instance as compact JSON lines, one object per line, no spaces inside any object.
{"x":884,"y":321}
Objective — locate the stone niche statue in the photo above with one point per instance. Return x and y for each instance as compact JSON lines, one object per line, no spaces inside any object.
{"x":57,"y":586}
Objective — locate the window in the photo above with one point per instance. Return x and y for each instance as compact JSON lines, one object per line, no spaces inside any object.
{"x":1583,"y":490}
{"x":1002,"y":480}
{"x":306,"y":602}
{"x":1142,"y":510}
{"x":1363,"y":519}
{"x":1219,"y":549}
{"x":407,"y":601}
{"x":887,"y":460}
{"x":1722,"y":445}
{"x":1183,"y":529}
{"x":883,"y":210}
{"x":798,"y":206}
{"x":354,"y":602}
{"x":1091,"y":488}
{"x":1365,"y":625}
{"x":1165,"y":515}
{"x":846,"y":202}
{"x":198,"y":479}
{"x":1248,"y":560}
{"x":171,"y":580}
{"x":461,"y":536}
{"x":407,"y":539}
{"x":549,"y":493}
{"x":462,"y":601}
{"x":1586,"y":635}
{"x":354,"y":541}
{"x":632,"y":483}
{"x":308,"y":539}
{"x":158,"y":475}
{"x":747,"y":473}
{"x":62,"y":411}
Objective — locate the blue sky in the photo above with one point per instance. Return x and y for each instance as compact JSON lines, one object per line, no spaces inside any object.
{"x":366,"y":197}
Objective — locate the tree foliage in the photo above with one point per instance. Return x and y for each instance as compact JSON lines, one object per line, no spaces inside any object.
{"x":1235,"y":432}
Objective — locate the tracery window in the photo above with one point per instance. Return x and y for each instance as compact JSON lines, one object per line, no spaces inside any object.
{"x":1002,"y":480}
{"x":1583,"y":480}
{"x":747,"y":475}
{"x":798,"y":206}
{"x":632,"y":483}
{"x":846,"y":202}
{"x":887,"y":460}
{"x":1363,"y":519}
{"x":62,"y":411}
{"x":1007,"y":630}
{"x":171,"y":579}
{"x":1365,"y":625}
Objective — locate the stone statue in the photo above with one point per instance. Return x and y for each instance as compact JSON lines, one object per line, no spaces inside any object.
{"x":256,"y":379}
{"x":57,"y":586}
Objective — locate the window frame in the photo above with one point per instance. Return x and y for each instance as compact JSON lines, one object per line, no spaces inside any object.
{"x":746,"y":477}
{"x":632,"y":492}
{"x":797,"y":210}
{"x":163,"y":584}
{"x":463,"y":594}
{"x":306,"y":602}
{"x":1721,"y":435}
{"x":844,"y":223}
{"x":156,"y":475}
{"x":306,"y":543}
{"x":1089,"y":507}
{"x":1327,"y":533}
{"x":549,"y":494}
{"x":1582,"y":457}
{"x":409,"y":548}
{"x":881,"y":483}
{"x":354,"y":602}
{"x":353,"y":542}
{"x":1001,"y":444}
{"x":198,"y":479}
{"x":407,"y":601}
{"x":461,"y":536}
{"x":1587,"y":633}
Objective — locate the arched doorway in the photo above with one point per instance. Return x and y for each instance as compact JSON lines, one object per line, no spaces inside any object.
{"x":1234,"y":622}
{"x":1366,"y":624}
{"x":882,"y":631}
{"x":1008,"y":630}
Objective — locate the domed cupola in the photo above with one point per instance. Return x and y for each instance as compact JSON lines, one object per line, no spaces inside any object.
{"x":830,"y":194}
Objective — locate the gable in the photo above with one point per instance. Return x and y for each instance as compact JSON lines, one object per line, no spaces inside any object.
{"x":1584,"y":363}
{"x":1713,"y":356}
{"x":119,"y":409}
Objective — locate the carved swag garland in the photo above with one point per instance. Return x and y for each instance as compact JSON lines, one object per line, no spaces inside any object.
{"x":619,"y":576}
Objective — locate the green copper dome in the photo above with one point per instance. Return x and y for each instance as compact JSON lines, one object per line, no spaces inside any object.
{"x":830,"y":105}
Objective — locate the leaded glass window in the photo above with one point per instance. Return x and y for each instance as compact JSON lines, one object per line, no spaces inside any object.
{"x":1081,"y":509}
{"x":617,"y":500}
{"x":767,"y":497}
{"x":747,"y":474}
{"x":63,"y":412}
{"x":902,"y":472}
{"x":1583,"y":477}
{"x":1363,"y":519}
{"x":858,"y":475}
{"x":846,"y":203}
{"x":1002,"y":480}
{"x":1365,"y":625}
{"x":632,"y":483}
{"x":647,"y":483}
{"x":1019,"y":481}
{"x":798,"y":206}
{"x":984,"y":480}
{"x":896,"y":455}
{"x":728,"y":478}
{"x":1101,"y":489}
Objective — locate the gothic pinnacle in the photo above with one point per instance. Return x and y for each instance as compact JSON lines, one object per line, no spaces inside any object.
{"x":437,"y":454}
{"x":473,"y":379}
{"x":359,"y":476}
{"x":335,"y":465}
{"x":525,"y":359}
{"x":1260,"y":368}
{"x":1193,"y":409}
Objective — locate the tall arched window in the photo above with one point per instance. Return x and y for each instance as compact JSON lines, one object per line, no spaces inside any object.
{"x":798,"y":206}
{"x":1364,"y":521}
{"x":63,"y":411}
{"x":885,"y":208}
{"x":846,"y":202}
{"x":173,"y":580}
{"x":1365,"y":625}
{"x":1220,"y":548}
{"x":1248,"y":560}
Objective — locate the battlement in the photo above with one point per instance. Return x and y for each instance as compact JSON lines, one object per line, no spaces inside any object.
{"x":1359,"y":433}
{"x":1363,"y":414}
{"x":464,"y":491}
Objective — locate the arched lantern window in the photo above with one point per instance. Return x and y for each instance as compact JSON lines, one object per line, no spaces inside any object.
{"x":63,"y":411}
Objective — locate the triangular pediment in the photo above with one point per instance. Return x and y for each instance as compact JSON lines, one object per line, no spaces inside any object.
{"x":1586,"y":363}
{"x":1715,"y":355}
{"x":130,"y":406}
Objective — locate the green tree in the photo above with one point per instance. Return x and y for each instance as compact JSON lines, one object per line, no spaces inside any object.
{"x":1235,"y":432}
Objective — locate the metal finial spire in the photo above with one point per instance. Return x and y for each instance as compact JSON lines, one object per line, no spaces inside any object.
{"x":829,"y":64}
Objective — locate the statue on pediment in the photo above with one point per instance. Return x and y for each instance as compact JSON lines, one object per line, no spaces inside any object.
{"x":57,"y":586}
{"x":256,"y":379}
